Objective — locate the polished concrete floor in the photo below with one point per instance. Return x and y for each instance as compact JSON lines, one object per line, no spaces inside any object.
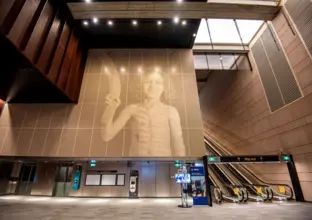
{"x":47,"y":208}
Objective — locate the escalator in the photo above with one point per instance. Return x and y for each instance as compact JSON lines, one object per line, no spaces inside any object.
{"x":254,"y":192}
{"x":225,"y":183}
{"x":220,"y":174}
{"x":255,"y":189}
{"x":230,"y":192}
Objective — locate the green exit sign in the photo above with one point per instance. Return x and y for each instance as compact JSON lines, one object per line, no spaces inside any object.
{"x":177,"y":165}
{"x":213,"y":159}
{"x":286,"y":158}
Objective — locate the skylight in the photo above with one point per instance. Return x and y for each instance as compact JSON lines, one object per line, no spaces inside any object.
{"x":224,"y":31}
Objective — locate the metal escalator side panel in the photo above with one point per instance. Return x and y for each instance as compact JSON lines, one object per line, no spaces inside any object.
{"x":224,"y":190}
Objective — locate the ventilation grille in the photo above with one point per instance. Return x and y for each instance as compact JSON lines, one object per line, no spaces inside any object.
{"x":301,"y":13}
{"x":279,"y":83}
{"x":267,"y":77}
{"x":284,"y":76}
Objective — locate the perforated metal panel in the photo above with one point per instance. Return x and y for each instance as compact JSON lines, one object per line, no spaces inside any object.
{"x":281,"y":69}
{"x":267,"y":77}
{"x":301,"y":13}
{"x":278,"y":80}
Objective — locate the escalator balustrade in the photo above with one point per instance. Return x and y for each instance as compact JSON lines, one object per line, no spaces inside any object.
{"x":250,"y":186}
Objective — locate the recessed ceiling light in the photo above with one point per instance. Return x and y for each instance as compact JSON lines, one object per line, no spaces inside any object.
{"x":179,"y":1}
{"x":85,"y":23}
{"x":87,"y":1}
{"x":134,"y":23}
{"x":95,"y":20}
{"x":194,"y":35}
{"x":110,"y":23}
{"x":184,"y":22}
{"x":140,"y":70}
{"x":159,"y":22}
{"x":176,"y":19}
{"x":122,"y":69}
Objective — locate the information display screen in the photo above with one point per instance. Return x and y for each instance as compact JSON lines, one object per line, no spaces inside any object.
{"x":183,"y":178}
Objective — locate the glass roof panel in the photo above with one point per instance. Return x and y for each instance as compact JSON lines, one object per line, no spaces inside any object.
{"x":202,"y":33}
{"x":248,"y":28}
{"x":223,"y":31}
{"x":254,"y":2}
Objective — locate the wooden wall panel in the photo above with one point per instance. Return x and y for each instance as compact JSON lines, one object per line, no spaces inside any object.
{"x":5,"y":7}
{"x":35,"y":17}
{"x":42,"y":32}
{"x":78,"y":80}
{"x":39,"y":32}
{"x":9,"y":17}
{"x":50,"y":44}
{"x":69,"y":54}
{"x":59,"y":53}
{"x":73,"y":79}
{"x":1,"y":106}
{"x":22,"y":22}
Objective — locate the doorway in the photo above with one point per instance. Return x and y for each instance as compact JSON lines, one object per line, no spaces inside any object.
{"x":63,"y":180}
{"x":26,"y":179}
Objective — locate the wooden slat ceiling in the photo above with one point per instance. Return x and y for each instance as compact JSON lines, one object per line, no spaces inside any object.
{"x":194,"y":10}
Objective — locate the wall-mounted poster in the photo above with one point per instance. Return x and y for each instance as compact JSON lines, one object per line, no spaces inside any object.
{"x":198,"y":185}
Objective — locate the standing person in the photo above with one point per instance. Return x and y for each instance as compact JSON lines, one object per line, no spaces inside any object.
{"x":155,"y":126}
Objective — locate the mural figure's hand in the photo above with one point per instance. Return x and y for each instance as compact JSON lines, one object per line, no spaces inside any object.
{"x":140,"y":115}
{"x":112,"y":101}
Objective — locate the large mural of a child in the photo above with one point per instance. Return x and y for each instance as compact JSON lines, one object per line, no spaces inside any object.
{"x":155,"y":124}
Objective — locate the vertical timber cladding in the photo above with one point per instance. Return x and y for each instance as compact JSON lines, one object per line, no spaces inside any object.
{"x":42,"y":33}
{"x":301,"y":13}
{"x":277,"y":77}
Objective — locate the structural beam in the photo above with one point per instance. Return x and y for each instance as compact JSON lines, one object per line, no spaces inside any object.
{"x":191,"y":10}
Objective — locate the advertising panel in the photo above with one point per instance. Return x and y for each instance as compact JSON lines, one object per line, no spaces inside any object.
{"x":198,"y":186}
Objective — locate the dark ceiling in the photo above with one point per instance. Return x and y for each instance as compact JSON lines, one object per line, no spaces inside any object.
{"x":147,"y":34}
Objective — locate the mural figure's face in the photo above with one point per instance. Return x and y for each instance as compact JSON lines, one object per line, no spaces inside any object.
{"x":153,"y":85}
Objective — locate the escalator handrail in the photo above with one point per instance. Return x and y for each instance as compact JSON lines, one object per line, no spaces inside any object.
{"x":253,"y":175}
{"x":255,"y":185}
{"x":219,"y":191}
{"x":247,"y":196}
{"x":241,"y":191}
{"x":272,"y":184}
